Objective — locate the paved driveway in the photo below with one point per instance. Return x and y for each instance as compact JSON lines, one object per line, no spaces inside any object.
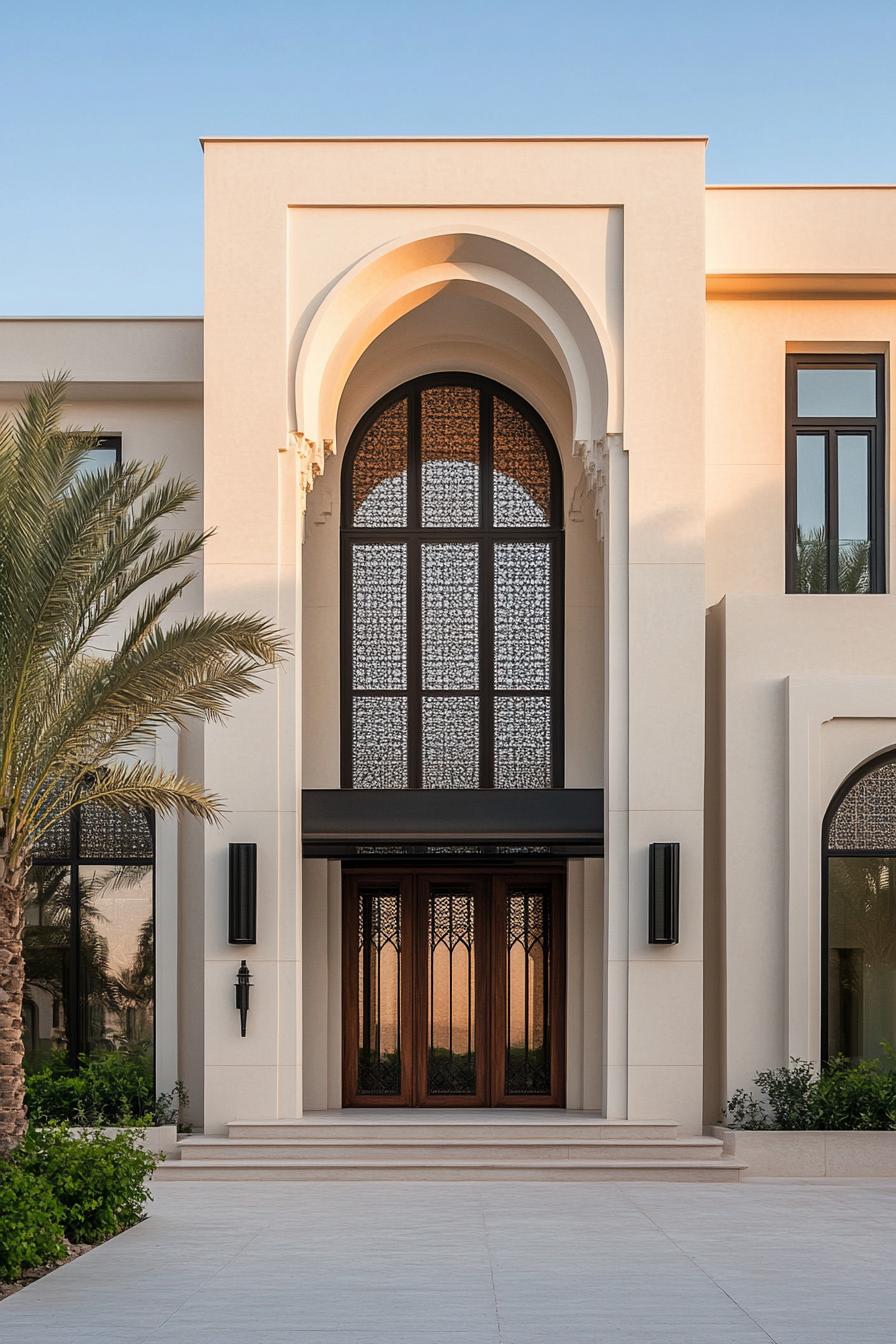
{"x":384,"y":1263}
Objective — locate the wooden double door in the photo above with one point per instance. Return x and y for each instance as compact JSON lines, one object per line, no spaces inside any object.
{"x":453,"y":988}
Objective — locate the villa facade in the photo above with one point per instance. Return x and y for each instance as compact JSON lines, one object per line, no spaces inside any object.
{"x":568,"y":477}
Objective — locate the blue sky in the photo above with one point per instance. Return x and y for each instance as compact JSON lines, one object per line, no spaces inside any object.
{"x":102,"y":105}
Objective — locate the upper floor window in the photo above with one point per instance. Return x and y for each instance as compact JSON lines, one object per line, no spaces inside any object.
{"x":452,"y":573}
{"x":106,"y":453}
{"x":835,"y":474}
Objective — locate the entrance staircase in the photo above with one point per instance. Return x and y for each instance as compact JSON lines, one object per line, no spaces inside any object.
{"x":450,"y":1145}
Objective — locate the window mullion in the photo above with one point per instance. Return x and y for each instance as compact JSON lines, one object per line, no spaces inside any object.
{"x":414,"y":599}
{"x":347,"y":690}
{"x":877,"y":509}
{"x":75,"y":1044}
{"x":558,"y":717}
{"x":832,"y":512}
{"x":486,"y":595}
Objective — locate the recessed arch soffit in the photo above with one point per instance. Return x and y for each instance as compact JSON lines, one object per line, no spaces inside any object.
{"x":399,"y":277}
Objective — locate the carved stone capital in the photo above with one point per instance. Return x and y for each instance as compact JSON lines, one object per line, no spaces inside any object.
{"x":310,"y":458}
{"x":595,"y":455}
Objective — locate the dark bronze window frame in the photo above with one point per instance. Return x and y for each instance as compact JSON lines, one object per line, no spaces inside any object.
{"x":73,"y":860}
{"x":414,"y":535}
{"x":827,"y":853}
{"x":831,"y":427}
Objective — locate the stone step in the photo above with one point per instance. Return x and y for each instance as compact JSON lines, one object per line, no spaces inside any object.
{"x":441,"y":1129}
{"x":449,"y":1149}
{"x":577,"y":1169}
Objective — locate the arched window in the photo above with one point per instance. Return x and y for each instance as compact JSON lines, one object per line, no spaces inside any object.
{"x":452,"y":581}
{"x":859,"y":914}
{"x":90,"y":936}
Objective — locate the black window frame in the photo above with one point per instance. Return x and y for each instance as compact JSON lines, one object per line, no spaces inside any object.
{"x":73,"y":860}
{"x":414,"y":534}
{"x":831,"y":427}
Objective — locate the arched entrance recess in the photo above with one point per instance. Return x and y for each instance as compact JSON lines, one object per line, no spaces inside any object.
{"x":452,"y":636}
{"x":393,"y":280}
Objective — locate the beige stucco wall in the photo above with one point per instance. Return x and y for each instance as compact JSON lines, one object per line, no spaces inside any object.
{"x":303,"y":260}
{"x":747,"y":341}
{"x":808,"y":694}
{"x":133,"y":358}
{"x":832,"y":231}
{"x":788,"y":676}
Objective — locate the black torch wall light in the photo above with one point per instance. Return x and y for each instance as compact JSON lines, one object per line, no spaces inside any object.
{"x":241,"y":913}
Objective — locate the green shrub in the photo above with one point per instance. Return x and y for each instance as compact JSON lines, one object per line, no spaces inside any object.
{"x":100,"y":1183}
{"x":844,"y":1095}
{"x":171,"y":1106}
{"x":855,"y":1096}
{"x":118,"y":1087}
{"x":54,"y":1092}
{"x":111,"y":1088}
{"x":31,"y":1227}
{"x":743,"y":1111}
{"x":790,"y":1092}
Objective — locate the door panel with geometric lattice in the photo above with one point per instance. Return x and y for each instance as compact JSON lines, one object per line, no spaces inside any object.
{"x":453,"y":989}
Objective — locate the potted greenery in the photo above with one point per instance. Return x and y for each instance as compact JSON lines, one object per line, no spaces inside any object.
{"x":836,"y":1121}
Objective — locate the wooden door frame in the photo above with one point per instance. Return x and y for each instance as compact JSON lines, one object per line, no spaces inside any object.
{"x":557,"y":1095}
{"x":423,"y":879}
{"x":350,"y":885}
{"x":489,"y":934}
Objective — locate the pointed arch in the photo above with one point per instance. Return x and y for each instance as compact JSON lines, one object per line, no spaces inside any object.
{"x":396,"y":278}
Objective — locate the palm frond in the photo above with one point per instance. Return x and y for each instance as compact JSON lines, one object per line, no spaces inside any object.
{"x":127,"y":786}
{"x":91,"y":663}
{"x":195,"y":667}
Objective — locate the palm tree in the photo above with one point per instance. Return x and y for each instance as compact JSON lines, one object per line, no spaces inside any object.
{"x":78,"y":696}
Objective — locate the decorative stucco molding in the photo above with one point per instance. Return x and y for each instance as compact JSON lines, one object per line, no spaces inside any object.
{"x":310,"y":459}
{"x":402,"y":274}
{"x":595,"y":455}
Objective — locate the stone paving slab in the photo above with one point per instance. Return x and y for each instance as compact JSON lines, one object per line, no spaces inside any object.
{"x":793,"y":1262}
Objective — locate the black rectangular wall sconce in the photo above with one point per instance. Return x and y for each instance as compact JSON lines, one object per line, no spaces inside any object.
{"x":663,"y":863}
{"x":241,"y":911}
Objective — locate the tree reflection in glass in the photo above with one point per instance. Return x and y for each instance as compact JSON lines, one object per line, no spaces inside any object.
{"x":47,"y":941}
{"x":861,"y":956}
{"x":116,"y":959}
{"x":117,"y":956}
